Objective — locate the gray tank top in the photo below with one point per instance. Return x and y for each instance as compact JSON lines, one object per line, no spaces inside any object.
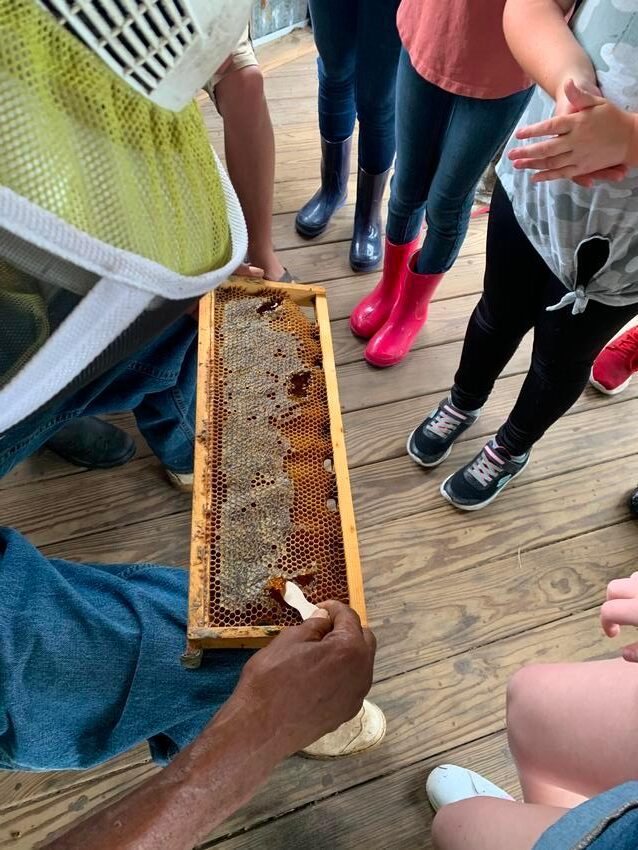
{"x":560,"y":215}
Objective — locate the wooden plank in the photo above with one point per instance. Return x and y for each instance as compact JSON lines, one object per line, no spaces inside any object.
{"x":321,"y":262}
{"x":390,"y":812}
{"x":526,"y":518}
{"x":424,"y":371}
{"x":379,"y":433}
{"x":24,"y":827}
{"x":427,"y":717}
{"x":340,"y":229}
{"x":18,"y":787}
{"x":340,"y":465}
{"x":161,"y":540}
{"x":399,"y":487}
{"x":45,"y":464}
{"x":292,"y":195}
{"x":419,"y":622}
{"x":275,"y":54}
{"x":427,"y":622}
{"x":199,"y":584}
{"x":49,"y":511}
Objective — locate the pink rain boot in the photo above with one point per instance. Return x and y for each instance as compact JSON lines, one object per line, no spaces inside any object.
{"x":391,"y":344}
{"x":373,"y":311}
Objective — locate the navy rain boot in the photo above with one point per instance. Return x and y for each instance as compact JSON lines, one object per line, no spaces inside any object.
{"x":312,"y":219}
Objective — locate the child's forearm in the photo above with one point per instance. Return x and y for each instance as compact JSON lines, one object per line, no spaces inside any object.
{"x":543,"y":44}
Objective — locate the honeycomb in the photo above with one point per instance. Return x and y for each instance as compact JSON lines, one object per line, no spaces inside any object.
{"x":273,"y":508}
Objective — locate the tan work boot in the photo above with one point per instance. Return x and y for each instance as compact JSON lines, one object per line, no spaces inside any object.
{"x":182,"y":481}
{"x":364,"y":732}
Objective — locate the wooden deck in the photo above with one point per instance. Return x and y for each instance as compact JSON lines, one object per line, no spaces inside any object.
{"x":458,"y":602}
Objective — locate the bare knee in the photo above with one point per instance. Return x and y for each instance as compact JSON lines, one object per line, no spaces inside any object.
{"x":452,"y":825}
{"x":522,"y":696}
{"x":241,"y":90}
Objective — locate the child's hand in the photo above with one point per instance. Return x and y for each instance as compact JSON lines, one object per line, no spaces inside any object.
{"x":573,"y":95}
{"x":621,"y":609}
{"x":590,"y":143}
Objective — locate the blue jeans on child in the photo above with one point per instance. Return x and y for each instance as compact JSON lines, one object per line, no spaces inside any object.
{"x":90,"y":654}
{"x":358,"y":46}
{"x":444,"y":143}
{"x":606,"y":822}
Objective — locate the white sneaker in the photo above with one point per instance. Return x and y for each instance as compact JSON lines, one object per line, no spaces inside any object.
{"x":449,"y":784}
{"x":364,"y":732}
{"x":181,"y":480}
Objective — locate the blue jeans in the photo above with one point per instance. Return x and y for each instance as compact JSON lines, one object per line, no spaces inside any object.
{"x":444,"y":143}
{"x":358,"y":46}
{"x":90,"y":654}
{"x":606,"y":822}
{"x":157,"y":384}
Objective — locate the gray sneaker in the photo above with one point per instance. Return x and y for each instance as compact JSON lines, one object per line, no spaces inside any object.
{"x":480,"y":481}
{"x":432,"y":441}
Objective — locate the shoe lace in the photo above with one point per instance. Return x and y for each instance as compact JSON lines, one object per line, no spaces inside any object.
{"x":627,"y":343}
{"x":443,"y":423}
{"x":486,"y":467}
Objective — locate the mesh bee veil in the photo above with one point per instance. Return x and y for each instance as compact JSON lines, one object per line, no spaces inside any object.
{"x":114,"y":212}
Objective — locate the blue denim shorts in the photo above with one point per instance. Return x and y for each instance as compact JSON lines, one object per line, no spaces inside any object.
{"x":606,"y":822}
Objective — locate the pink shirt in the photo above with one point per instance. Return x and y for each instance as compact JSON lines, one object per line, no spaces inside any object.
{"x":459,"y":45}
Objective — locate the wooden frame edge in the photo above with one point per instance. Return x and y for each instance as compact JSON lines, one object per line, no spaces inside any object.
{"x":340,"y":461}
{"x":298,"y":292}
{"x":197,"y":588}
{"x":200,"y":635}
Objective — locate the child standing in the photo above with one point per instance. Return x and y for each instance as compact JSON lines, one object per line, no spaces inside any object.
{"x":459,"y":94}
{"x":358,"y":48}
{"x":562,"y":249}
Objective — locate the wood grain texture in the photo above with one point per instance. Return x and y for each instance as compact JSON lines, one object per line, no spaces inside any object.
{"x":425,"y":371}
{"x":19,"y":787}
{"x":199,"y":581}
{"x":377,"y":433}
{"x":390,"y":812}
{"x":340,"y":464}
{"x":399,"y":487}
{"x":430,"y":711}
{"x":319,"y":262}
{"x":533,"y":516}
{"x":446,"y":323}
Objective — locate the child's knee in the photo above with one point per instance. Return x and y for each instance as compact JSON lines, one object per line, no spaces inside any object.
{"x":241,"y":90}
{"x":251,"y":84}
{"x":452,"y":824}
{"x":522,"y":691}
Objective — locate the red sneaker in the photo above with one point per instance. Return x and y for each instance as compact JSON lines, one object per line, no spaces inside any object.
{"x":616,"y":364}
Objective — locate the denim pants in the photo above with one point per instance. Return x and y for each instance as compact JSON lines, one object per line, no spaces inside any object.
{"x":606,"y":822}
{"x":358,"y":46}
{"x":90,"y":654}
{"x":444,"y":143}
{"x":518,"y":287}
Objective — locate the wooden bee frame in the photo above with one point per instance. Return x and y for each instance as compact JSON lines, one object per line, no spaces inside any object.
{"x":202,"y":633}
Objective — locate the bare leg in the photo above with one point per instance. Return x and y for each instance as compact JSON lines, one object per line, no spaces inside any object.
{"x":571,"y":729}
{"x":483,"y":823}
{"x":249,"y":143}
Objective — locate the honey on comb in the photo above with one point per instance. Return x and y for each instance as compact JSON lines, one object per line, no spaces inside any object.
{"x":273,"y":514}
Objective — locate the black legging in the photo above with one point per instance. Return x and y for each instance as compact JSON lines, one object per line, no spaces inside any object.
{"x":518,"y":286}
